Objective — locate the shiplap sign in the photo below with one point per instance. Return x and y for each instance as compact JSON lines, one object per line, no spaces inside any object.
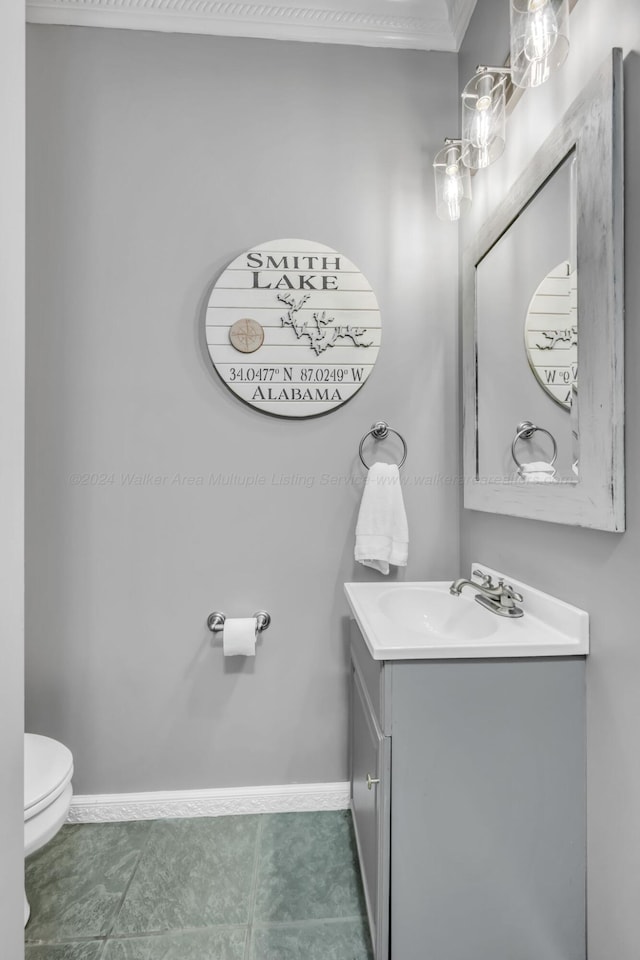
{"x":293,"y":328}
{"x":551,"y":333}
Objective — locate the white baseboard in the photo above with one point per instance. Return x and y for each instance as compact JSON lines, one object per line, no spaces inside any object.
{"x":229,"y":801}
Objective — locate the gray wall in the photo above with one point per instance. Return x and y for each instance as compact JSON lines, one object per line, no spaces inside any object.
{"x":597,"y":571}
{"x":11,"y":476}
{"x":153,"y":160}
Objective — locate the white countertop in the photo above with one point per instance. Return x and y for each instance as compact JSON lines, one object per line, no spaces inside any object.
{"x":423,"y":621}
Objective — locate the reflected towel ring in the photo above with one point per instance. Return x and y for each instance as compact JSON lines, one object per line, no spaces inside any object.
{"x":525,"y":431}
{"x":379,"y":431}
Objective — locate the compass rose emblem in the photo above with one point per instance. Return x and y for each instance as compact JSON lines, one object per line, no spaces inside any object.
{"x":246,"y":335}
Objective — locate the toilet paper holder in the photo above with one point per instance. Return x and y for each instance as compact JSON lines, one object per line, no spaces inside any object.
{"x":216,"y":620}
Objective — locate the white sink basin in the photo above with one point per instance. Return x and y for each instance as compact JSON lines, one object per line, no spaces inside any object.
{"x":415,"y":621}
{"x":429,"y":610}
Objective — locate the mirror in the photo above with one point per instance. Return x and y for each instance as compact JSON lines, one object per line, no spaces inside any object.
{"x":526,"y":347}
{"x":546,"y":267}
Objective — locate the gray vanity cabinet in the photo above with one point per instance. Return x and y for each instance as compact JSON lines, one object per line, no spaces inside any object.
{"x":370,"y":782}
{"x":472,"y":843}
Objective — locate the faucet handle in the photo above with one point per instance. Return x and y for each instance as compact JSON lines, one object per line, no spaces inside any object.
{"x":485,"y":577}
{"x":510,"y":592}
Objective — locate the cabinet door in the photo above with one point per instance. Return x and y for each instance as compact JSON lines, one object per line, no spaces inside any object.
{"x":370,"y":761}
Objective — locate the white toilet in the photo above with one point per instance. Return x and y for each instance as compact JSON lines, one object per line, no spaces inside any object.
{"x":48,"y":768}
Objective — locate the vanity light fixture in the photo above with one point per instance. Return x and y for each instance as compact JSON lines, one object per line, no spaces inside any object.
{"x":539,"y":45}
{"x":539,"y":39}
{"x":453,"y":181}
{"x":484,"y":104}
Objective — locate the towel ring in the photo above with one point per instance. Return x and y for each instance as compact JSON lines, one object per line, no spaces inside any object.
{"x":379,"y":431}
{"x":525,"y":431}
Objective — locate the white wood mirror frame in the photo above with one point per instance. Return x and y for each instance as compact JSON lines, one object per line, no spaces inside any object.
{"x":593,"y":126}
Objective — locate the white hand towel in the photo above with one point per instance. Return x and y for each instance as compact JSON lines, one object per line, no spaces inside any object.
{"x":382,"y":534}
{"x":539,"y":471}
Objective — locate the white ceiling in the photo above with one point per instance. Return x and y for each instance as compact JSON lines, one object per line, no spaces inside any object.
{"x":411,"y":24}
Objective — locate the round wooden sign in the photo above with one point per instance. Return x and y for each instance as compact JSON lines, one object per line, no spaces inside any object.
{"x":293,"y":328}
{"x":551,"y":333}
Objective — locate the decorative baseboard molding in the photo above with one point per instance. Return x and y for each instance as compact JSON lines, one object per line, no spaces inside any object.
{"x":290,"y":798}
{"x":318,"y":21}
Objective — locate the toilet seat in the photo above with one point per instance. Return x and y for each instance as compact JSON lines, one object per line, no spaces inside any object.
{"x":48,"y":768}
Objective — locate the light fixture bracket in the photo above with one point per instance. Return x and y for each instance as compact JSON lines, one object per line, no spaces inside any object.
{"x":499,"y":71}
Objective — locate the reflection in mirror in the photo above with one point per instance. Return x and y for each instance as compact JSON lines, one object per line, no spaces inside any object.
{"x":551,"y":342}
{"x":527,"y":341}
{"x":551,"y":333}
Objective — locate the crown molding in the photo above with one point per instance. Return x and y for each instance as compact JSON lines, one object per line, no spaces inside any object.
{"x":460,"y":13}
{"x":315,"y":22}
{"x":224,"y":802}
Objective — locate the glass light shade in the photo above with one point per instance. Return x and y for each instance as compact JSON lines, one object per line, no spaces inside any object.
{"x":453,"y":183}
{"x":539,"y":39}
{"x":483,"y":119}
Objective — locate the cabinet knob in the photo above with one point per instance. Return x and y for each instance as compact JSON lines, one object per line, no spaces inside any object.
{"x":371,"y":781}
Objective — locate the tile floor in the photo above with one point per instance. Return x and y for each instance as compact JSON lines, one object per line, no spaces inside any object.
{"x":265,"y":887}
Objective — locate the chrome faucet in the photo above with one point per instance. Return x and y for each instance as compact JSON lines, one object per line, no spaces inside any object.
{"x":498,"y":597}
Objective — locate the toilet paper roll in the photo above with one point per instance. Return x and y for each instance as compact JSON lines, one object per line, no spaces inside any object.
{"x":239,"y":637}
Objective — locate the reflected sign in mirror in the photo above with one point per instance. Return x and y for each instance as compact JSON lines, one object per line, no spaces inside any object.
{"x":551,"y":333}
